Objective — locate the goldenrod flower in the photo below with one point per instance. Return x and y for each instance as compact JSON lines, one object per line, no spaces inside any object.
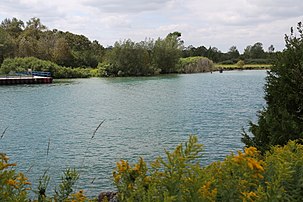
{"x":249,"y":195}
{"x":11,"y":182}
{"x":251,"y":151}
{"x":253,"y":164}
{"x":122,"y":166}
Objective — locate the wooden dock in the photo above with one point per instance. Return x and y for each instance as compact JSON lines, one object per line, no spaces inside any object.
{"x":14,"y":80}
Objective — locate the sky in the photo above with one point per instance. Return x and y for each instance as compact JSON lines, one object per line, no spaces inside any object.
{"x":215,"y":23}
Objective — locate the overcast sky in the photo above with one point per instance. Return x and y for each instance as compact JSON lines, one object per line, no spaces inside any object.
{"x":216,"y":23}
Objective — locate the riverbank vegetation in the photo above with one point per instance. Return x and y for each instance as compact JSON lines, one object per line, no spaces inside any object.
{"x":270,"y":167}
{"x":282,"y":119}
{"x":75,"y":53}
{"x":180,"y":176}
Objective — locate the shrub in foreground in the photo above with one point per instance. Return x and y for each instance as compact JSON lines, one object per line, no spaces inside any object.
{"x":14,"y":186}
{"x":181,"y":176}
{"x":245,"y":176}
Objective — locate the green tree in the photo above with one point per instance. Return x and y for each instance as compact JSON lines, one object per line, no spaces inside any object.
{"x":233,"y":53}
{"x":254,"y":52}
{"x":14,"y":27}
{"x":7,"y":45}
{"x":129,"y":58}
{"x":61,"y":52}
{"x":257,"y":51}
{"x":167,"y":52}
{"x":247,"y":52}
{"x":282,"y":119}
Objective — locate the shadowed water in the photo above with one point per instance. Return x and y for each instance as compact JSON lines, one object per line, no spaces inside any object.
{"x":143,"y":116}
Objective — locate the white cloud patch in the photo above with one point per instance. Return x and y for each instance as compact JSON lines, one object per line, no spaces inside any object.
{"x":218,"y":23}
{"x":116,"y":21}
{"x":124,"y":6}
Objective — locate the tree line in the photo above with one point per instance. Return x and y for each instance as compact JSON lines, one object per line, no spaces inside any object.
{"x":33,"y":39}
{"x":124,"y":58}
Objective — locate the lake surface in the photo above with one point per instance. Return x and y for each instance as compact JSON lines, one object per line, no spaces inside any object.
{"x":143,"y":116}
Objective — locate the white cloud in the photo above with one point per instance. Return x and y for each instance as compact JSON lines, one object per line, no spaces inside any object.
{"x":124,"y":6}
{"x":218,"y":23}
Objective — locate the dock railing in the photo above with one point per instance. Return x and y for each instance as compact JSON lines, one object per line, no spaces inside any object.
{"x":34,"y":73}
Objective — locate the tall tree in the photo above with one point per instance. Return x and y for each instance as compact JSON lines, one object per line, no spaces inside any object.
{"x":166,"y":52}
{"x":233,"y":53}
{"x":282,"y":119}
{"x":129,"y":58}
{"x":257,"y":51}
{"x":7,"y":45}
{"x":13,"y":26}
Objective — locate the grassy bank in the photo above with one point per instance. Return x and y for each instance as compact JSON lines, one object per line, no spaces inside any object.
{"x":245,"y":67}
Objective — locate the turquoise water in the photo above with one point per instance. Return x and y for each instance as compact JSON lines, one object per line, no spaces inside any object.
{"x":143,"y":116}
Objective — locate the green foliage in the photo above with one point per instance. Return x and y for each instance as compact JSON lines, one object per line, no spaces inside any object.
{"x":68,"y":180}
{"x":181,"y":176}
{"x":23,"y":64}
{"x":247,"y":176}
{"x":166,"y":53}
{"x":195,"y":65}
{"x":282,"y":119}
{"x":240,"y":64}
{"x":13,"y":185}
{"x":168,"y":180}
{"x":35,"y":40}
{"x":284,"y":173}
{"x":254,"y":52}
{"x":42,"y":186}
{"x":128,"y":58}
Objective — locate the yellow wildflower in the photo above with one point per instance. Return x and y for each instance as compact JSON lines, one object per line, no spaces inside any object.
{"x":206,"y":192}
{"x":249,"y":196}
{"x":4,"y":157}
{"x":251,"y":151}
{"x":147,"y":179}
{"x":78,"y":197}
{"x":253,"y":164}
{"x":117,"y":177}
{"x":13,"y":183}
{"x":130,"y":186}
{"x":6,"y":165}
{"x":122,"y":166}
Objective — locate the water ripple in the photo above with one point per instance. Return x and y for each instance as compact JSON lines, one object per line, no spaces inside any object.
{"x":144,"y":116}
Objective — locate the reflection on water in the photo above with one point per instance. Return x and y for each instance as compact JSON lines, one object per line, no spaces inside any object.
{"x":143,"y":115}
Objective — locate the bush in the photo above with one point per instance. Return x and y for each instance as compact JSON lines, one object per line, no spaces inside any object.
{"x":23,"y":64}
{"x":247,"y":176}
{"x":195,"y":65}
{"x":258,"y":61}
{"x":282,"y":119}
{"x":181,"y":176}
{"x":13,"y":185}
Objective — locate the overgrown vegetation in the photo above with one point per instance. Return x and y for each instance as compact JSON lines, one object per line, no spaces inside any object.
{"x":145,"y":58}
{"x":126,"y":58}
{"x":15,"y":186}
{"x":270,"y":168}
{"x":246,"y":176}
{"x":23,"y":64}
{"x":181,"y":176}
{"x":195,"y":64}
{"x":282,"y":119}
